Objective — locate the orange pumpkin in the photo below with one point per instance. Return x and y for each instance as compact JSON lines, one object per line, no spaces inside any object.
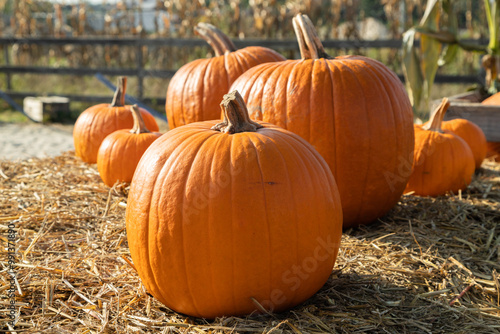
{"x":96,"y":122}
{"x":222,"y":218}
{"x":471,"y":134}
{"x":352,"y":109}
{"x":121,"y":151}
{"x":493,"y":100}
{"x":493,"y":150}
{"x":196,"y":89}
{"x":443,"y":161}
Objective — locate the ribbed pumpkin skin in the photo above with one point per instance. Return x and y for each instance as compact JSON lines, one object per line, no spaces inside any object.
{"x":443,"y":162}
{"x":196,"y":89}
{"x":96,"y":122}
{"x":471,"y":134}
{"x":120,"y":153}
{"x":354,"y":111}
{"x":215,"y":219}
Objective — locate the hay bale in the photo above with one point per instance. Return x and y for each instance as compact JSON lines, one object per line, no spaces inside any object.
{"x":430,"y":265}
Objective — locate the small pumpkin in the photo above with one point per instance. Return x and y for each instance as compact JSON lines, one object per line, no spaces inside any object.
{"x":493,"y":150}
{"x":196,"y":89}
{"x":471,"y":134}
{"x":493,"y":100}
{"x":96,"y":122}
{"x":352,"y":109}
{"x":443,"y":161}
{"x":223,"y":219}
{"x":121,"y":150}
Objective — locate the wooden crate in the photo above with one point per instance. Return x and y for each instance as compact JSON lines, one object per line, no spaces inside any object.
{"x":468,"y":106}
{"x":47,"y":108}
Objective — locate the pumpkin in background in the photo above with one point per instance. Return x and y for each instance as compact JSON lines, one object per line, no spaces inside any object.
{"x":493,"y":100}
{"x":471,"y":134}
{"x":493,"y":150}
{"x":352,"y":109}
{"x":220,"y":217}
{"x":443,"y":161}
{"x":96,"y":122}
{"x":121,"y":150}
{"x":196,"y":89}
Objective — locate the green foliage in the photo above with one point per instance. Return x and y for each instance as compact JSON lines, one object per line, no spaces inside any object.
{"x":439,"y":45}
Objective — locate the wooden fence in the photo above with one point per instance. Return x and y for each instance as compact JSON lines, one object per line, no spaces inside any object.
{"x":140,"y":72}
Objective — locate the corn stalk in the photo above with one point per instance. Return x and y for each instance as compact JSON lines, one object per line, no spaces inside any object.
{"x":437,"y":31}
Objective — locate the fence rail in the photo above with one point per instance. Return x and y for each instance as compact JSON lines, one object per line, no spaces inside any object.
{"x":140,"y":72}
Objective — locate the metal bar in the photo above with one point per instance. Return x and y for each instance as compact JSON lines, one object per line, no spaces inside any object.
{"x":14,"y":105}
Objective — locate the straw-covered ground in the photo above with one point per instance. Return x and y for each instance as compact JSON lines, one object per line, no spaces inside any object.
{"x":429,"y":266}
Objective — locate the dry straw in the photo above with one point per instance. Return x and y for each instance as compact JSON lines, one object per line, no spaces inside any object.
{"x":429,"y":266}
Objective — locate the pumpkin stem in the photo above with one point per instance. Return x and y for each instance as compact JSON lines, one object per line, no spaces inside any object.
{"x":139,"y":125}
{"x":119,"y":98}
{"x":309,"y":43}
{"x":236,"y":117}
{"x":437,"y":118}
{"x":220,"y":43}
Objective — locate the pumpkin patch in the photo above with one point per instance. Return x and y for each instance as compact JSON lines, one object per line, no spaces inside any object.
{"x":251,"y":221}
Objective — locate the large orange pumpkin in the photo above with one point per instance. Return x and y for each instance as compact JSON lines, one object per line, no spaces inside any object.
{"x":96,"y":122}
{"x":222,"y":218}
{"x":196,"y":89}
{"x":352,"y":109}
{"x":443,"y":161}
{"x":121,"y":151}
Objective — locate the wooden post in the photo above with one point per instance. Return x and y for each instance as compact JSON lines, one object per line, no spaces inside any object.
{"x":8,"y":79}
{"x":140,"y":73}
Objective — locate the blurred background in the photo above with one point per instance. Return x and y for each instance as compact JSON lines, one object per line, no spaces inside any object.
{"x":57,"y":47}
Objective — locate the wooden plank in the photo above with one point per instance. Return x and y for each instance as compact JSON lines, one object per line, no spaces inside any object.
{"x":191,"y":42}
{"x":165,"y":74}
{"x":84,"y":98}
{"x":467,"y":106}
{"x":486,"y":117}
